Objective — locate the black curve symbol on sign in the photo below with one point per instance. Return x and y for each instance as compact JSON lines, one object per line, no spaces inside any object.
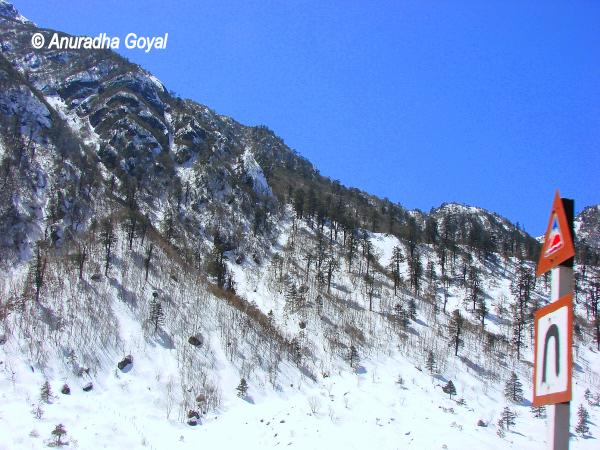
{"x":552,"y":332}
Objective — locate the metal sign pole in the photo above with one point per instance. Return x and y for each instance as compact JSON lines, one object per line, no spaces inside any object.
{"x":558,"y":414}
{"x":562,"y":284}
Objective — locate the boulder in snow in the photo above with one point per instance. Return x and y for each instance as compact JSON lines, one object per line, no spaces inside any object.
{"x":196,"y":340}
{"x":125,"y":364}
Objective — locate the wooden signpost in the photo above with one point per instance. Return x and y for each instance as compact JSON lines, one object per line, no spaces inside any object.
{"x":553,"y":358}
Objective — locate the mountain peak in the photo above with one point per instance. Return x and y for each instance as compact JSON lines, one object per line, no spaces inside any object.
{"x":8,"y":11}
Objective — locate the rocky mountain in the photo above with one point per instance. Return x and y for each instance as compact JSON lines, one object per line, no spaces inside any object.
{"x":587,"y":228}
{"x":155,"y":254}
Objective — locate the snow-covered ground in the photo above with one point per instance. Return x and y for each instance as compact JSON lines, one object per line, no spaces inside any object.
{"x":364,"y":407}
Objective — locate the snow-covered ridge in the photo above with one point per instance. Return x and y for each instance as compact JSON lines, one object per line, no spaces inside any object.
{"x":9,"y":11}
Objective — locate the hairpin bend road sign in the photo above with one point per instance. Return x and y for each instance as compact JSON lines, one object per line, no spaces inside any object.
{"x":553,"y":358}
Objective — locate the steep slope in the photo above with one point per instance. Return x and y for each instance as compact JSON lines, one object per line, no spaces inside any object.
{"x":587,"y":232}
{"x":137,"y":224}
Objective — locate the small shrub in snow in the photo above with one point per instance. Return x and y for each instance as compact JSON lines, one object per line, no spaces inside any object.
{"x":242,"y":388}
{"x":57,"y":435}
{"x":37,"y":411}
{"x":500,"y":425}
{"x":481,"y":423}
{"x":314,"y":403}
{"x":66,"y":390}
{"x":193,"y":417}
{"x":400,"y":381}
{"x":539,"y":412}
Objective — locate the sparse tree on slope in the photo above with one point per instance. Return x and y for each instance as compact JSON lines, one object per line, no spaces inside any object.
{"x":455,"y":329}
{"x":430,"y":361}
{"x":58,"y":432}
{"x":513,"y":390}
{"x":157,"y":315}
{"x":46,"y":392}
{"x":108,"y":239}
{"x":397,"y":259}
{"x":508,"y":417}
{"x":38,"y":269}
{"x":539,"y":412}
{"x":449,"y":389}
{"x":583,"y":417}
{"x":242,"y":389}
{"x":353,"y":356}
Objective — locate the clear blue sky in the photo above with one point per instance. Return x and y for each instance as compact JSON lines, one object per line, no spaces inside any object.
{"x":490,"y":103}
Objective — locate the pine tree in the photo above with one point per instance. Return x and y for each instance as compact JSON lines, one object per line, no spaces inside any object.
{"x":296,"y":350}
{"x":108,"y":239}
{"x":412,"y":309}
{"x":481,"y":310}
{"x":46,"y":392}
{"x":38,"y":269}
{"x":513,"y":390}
{"x":588,"y":396}
{"x":521,"y":288}
{"x":242,"y":388}
{"x":401,"y":315}
{"x":539,"y":412}
{"x":455,"y":329}
{"x":449,"y":389}
{"x":508,"y":417}
{"x":58,"y":432}
{"x":353,"y":356}
{"x":430,"y":362}
{"x":397,"y":259}
{"x":157,"y":315}
{"x":583,"y":416}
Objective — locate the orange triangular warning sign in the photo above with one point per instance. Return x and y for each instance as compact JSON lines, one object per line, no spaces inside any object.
{"x":558,"y":242}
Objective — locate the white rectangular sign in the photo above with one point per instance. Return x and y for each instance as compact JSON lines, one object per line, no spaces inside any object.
{"x":553,"y":358}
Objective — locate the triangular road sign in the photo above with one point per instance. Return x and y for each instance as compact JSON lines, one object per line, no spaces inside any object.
{"x":558,"y":242}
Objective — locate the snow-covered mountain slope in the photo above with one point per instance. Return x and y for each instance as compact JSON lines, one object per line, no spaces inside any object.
{"x":304,"y":388}
{"x":155,"y":253}
{"x":587,"y":227}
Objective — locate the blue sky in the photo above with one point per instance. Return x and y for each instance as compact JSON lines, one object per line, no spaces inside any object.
{"x":490,"y":103}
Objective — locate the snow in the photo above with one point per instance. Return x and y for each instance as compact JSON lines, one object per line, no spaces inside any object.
{"x":342,"y":408}
{"x":156,"y":82}
{"x":255,"y":172}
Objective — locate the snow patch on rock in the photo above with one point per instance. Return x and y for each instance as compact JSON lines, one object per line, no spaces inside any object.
{"x":254,"y":171}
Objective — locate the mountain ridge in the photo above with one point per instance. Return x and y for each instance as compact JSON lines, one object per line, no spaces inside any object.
{"x":158,"y":253}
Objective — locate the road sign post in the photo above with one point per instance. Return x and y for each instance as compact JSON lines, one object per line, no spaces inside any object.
{"x":558,"y":414}
{"x":555,"y":325}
